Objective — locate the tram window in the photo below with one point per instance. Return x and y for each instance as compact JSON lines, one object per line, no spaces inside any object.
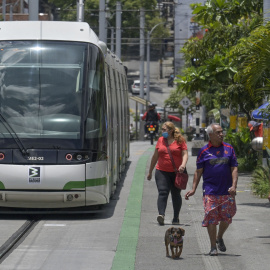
{"x":96,"y":116}
{"x":41,"y":87}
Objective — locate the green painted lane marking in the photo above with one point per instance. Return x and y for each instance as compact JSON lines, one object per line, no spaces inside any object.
{"x":126,"y":249}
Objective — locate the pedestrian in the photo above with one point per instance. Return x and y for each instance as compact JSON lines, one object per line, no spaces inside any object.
{"x":165,"y":173}
{"x":217,"y":162}
{"x":256,"y":129}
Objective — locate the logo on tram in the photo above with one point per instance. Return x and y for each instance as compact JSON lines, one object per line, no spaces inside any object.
{"x":34,"y":174}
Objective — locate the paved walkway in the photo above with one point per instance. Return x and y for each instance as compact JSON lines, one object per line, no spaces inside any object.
{"x":141,"y":243}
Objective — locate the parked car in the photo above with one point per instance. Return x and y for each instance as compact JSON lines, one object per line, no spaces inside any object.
{"x":135,"y":87}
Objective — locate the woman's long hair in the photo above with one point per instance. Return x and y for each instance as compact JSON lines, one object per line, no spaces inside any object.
{"x":176,"y":132}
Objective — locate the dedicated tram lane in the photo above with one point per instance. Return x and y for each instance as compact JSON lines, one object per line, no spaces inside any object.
{"x":12,"y":231}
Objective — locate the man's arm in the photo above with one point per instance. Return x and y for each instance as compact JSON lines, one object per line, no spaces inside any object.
{"x":232,"y":189}
{"x":197,"y":176}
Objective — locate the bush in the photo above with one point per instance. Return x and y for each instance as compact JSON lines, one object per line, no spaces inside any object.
{"x":247,"y":158}
{"x":260,"y":181}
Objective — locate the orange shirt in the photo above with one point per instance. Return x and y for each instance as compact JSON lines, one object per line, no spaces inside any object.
{"x":164,"y":161}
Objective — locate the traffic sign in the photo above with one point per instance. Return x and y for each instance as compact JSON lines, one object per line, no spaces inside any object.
{"x":185,"y":102}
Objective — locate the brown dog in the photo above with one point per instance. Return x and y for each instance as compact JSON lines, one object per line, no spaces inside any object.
{"x":174,"y":238}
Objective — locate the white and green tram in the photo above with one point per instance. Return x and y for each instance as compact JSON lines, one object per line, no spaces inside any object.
{"x":64,"y":116}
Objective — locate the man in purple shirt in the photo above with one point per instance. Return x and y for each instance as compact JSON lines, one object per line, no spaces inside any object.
{"x":217,"y":163}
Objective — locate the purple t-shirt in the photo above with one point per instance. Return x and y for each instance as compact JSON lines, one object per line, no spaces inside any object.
{"x":216,"y":163}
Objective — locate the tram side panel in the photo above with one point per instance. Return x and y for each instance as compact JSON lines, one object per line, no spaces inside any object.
{"x":126,"y":117}
{"x":123,"y":142}
{"x":119,"y":124}
{"x":115,"y":127}
{"x":97,"y":185}
{"x":110,"y":149}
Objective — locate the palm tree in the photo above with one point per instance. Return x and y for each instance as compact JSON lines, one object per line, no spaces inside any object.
{"x":254,"y":73}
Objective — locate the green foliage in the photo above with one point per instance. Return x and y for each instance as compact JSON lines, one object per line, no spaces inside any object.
{"x":246,"y":156}
{"x":174,"y":99}
{"x":226,"y":12}
{"x":254,"y":72}
{"x":260,"y":181}
{"x":223,"y":52}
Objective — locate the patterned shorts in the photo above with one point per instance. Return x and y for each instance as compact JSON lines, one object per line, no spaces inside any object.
{"x":218,"y":208}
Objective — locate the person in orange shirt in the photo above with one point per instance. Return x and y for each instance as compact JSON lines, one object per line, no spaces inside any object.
{"x":256,"y":129}
{"x":165,"y":173}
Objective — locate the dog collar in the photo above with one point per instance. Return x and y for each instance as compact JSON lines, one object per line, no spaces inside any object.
{"x":174,"y":240}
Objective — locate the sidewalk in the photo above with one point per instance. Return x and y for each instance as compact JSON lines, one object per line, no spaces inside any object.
{"x":151,"y":247}
{"x":245,"y":228}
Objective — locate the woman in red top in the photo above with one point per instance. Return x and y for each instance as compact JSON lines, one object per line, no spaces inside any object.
{"x":165,"y":173}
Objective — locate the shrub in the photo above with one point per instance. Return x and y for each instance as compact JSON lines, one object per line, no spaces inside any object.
{"x":260,"y":181}
{"x":260,"y":178}
{"x":246,"y":156}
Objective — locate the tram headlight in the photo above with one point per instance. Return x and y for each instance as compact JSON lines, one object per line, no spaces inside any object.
{"x":79,"y":157}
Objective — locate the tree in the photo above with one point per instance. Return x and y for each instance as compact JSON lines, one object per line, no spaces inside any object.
{"x":227,"y":22}
{"x":254,"y":71}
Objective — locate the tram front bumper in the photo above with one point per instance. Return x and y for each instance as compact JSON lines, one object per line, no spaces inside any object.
{"x":34,"y":199}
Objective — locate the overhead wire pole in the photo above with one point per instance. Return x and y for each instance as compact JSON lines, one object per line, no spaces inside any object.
{"x":4,"y":9}
{"x":102,"y":21}
{"x":142,"y":21}
{"x":80,"y":10}
{"x":33,"y":10}
{"x":266,"y":10}
{"x":148,"y":61}
{"x":21,"y":6}
{"x":118,"y":29}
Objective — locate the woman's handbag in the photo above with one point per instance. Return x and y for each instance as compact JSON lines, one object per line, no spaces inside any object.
{"x":181,"y":179}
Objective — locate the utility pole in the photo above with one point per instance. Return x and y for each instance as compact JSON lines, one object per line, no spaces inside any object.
{"x":112,"y":39}
{"x":80,"y":10}
{"x":4,"y":9}
{"x":148,"y":61}
{"x":266,"y":11}
{"x":11,"y":12}
{"x":21,"y":6}
{"x":118,"y":29}
{"x":33,"y":10}
{"x":102,"y":21}
{"x":142,"y":21}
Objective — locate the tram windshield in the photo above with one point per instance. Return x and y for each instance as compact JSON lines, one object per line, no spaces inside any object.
{"x":42,"y":88}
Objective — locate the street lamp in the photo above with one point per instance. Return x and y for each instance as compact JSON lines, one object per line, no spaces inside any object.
{"x":148,"y":60}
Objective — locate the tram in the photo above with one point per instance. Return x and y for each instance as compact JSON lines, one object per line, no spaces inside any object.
{"x":64,"y":116}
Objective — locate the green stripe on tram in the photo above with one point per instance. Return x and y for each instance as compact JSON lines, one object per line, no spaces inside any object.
{"x":2,"y":186}
{"x":126,"y":249}
{"x":88,"y":183}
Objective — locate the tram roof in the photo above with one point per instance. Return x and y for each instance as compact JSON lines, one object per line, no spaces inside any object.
{"x":47,"y":30}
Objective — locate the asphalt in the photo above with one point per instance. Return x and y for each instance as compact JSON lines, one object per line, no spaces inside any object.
{"x":247,"y":239}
